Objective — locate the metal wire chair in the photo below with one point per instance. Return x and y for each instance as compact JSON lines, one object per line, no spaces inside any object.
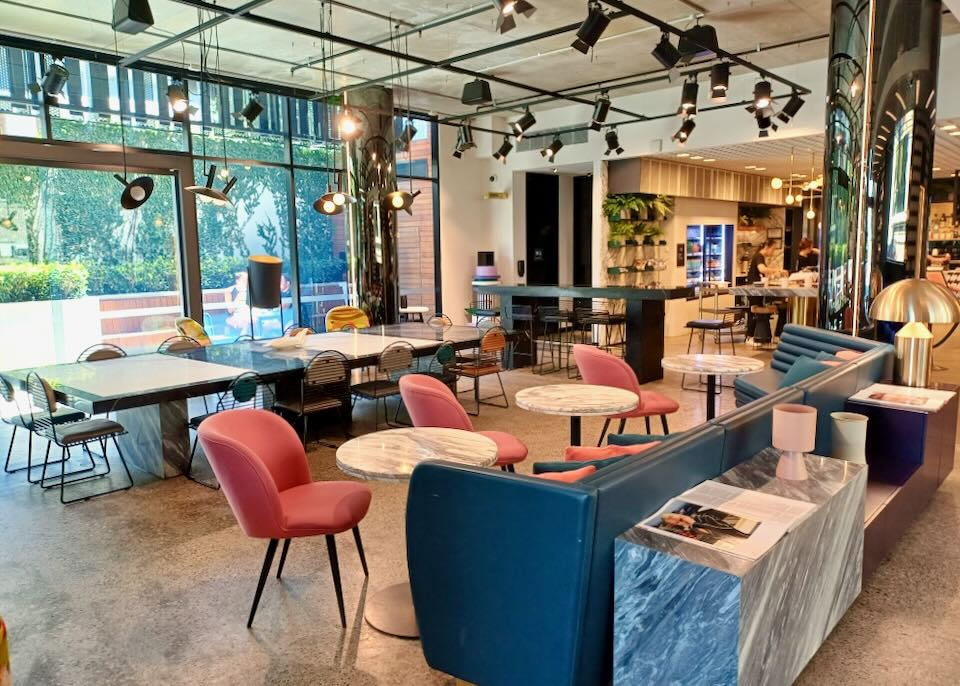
{"x":324,"y":387}
{"x":101,"y":351}
{"x":178,"y":344}
{"x":397,"y":359}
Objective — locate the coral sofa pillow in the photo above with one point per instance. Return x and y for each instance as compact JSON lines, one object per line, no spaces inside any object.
{"x":568,"y":477}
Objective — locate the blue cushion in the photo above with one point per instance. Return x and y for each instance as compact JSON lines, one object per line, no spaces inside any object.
{"x":802,"y":368}
{"x":759,"y":384}
{"x":638,"y":439}
{"x":545,"y":467}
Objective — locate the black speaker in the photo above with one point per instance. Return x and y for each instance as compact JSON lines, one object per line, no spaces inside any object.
{"x":521,"y":268}
{"x":132,"y":16}
{"x":263,"y":281}
{"x":484,"y":259}
{"x":476,"y":93}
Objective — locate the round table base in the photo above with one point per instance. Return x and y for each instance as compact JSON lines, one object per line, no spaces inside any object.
{"x":391,"y":611}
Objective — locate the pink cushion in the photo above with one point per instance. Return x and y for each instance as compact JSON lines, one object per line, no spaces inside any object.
{"x":510,"y":449}
{"x":324,"y":507}
{"x":568,"y":477}
{"x":831,"y":363}
{"x":651,"y":405}
{"x":577,"y":453}
{"x":847,"y":354}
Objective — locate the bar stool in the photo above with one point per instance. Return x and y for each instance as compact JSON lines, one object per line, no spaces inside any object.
{"x":524,"y":325}
{"x":762,"y":334}
{"x":554,"y":321}
{"x":702,"y":326}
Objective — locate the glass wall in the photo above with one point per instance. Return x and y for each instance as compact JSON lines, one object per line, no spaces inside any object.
{"x":417,"y":233}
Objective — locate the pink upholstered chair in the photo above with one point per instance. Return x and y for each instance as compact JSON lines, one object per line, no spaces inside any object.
{"x":261,"y":465}
{"x":431,"y":403}
{"x":600,"y":368}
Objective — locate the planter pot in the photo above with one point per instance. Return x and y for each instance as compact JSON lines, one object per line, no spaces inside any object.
{"x":648,"y":241}
{"x":632,"y":242}
{"x":614,"y":244}
{"x":849,"y":437}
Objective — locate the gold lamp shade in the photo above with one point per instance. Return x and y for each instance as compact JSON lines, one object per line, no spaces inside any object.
{"x":916,"y":300}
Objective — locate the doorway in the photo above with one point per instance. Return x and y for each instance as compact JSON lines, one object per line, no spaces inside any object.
{"x":543,"y":232}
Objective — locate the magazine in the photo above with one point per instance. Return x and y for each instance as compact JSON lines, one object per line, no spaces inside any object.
{"x":903,"y":397}
{"x":729,"y":519}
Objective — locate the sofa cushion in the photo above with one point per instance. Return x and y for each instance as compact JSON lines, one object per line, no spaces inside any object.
{"x":544,"y":467}
{"x":576,"y":453}
{"x":640,"y":439}
{"x":802,"y":368}
{"x":848,"y":354}
{"x":759,"y":384}
{"x":568,"y":477}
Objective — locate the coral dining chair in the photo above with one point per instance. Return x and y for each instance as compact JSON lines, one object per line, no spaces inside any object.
{"x":600,"y":368}
{"x":261,"y":465}
{"x":430,"y":402}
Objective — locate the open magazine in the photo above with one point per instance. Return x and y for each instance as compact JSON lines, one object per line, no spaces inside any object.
{"x":903,"y":397}
{"x":729,"y":519}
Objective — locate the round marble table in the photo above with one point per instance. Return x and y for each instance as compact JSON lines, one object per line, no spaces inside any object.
{"x":391,"y":456}
{"x":576,"y":401}
{"x":712,"y":366}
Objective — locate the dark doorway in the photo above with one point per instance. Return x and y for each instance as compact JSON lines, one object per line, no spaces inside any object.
{"x":582,"y":230}
{"x":543,"y":232}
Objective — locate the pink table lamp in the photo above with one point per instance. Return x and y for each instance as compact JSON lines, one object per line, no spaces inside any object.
{"x":794,"y":433}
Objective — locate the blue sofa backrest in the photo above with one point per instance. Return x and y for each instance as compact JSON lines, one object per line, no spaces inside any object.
{"x":749,"y":429}
{"x":800,"y":340}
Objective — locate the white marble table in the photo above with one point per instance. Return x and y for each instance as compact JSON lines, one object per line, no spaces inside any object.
{"x":576,"y":401}
{"x":712,"y":366}
{"x":391,"y":456}
{"x":418,"y":310}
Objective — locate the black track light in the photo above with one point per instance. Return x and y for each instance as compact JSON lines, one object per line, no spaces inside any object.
{"x":132,"y":16}
{"x":688,"y":98}
{"x":719,"y":81}
{"x":764,"y":122}
{"x":208,"y":193}
{"x":501,"y":154}
{"x":464,"y":141}
{"x":697,"y":42}
{"x":523,"y":124}
{"x":591,"y":29}
{"x":550,"y":152}
{"x":405,"y":136}
{"x":177,"y":97}
{"x":790,"y":110}
{"x":54,"y":79}
{"x":601,"y":108}
{"x":251,"y":110}
{"x":613,"y":143}
{"x":476,"y":92}
{"x":135,"y":192}
{"x":665,"y":53}
{"x":683,"y":133}
{"x":402,"y":200}
{"x":507,"y":10}
{"x":762,"y":95}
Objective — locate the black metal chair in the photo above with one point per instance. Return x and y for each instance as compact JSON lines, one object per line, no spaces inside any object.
{"x":178,"y":344}
{"x":396,"y":360}
{"x":247,"y":390}
{"x":101,"y":351}
{"x":324,"y":387}
{"x":524,"y":328}
{"x":74,"y":434}
{"x":557,"y":328}
{"x":13,"y":416}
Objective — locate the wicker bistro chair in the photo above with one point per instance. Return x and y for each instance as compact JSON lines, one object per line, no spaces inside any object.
{"x":324,"y":387}
{"x":396,"y":360}
{"x":12,"y":415}
{"x":71,"y":435}
{"x":178,"y":344}
{"x":101,"y":351}
{"x":488,"y":361}
{"x":247,"y":390}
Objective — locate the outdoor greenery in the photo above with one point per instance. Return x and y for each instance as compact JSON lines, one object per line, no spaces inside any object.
{"x":27,"y":282}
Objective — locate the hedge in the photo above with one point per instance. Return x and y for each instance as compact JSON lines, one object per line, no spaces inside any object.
{"x":27,"y":282}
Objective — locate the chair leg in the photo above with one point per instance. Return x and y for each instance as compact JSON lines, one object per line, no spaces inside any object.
{"x":363,"y":558}
{"x":666,"y":429}
{"x":264,"y":571}
{"x":603,"y":432}
{"x":511,"y":469}
{"x":623,"y":425}
{"x":13,"y":435}
{"x":283,"y":556}
{"x":647,"y":421}
{"x":335,"y":568}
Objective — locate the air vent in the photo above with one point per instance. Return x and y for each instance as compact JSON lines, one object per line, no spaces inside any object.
{"x":544,"y":138}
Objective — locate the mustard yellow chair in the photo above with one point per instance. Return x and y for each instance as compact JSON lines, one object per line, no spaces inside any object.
{"x":192,"y":329}
{"x":345,"y":316}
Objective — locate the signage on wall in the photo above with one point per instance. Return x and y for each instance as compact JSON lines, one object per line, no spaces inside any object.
{"x":496,"y":195}
{"x":681,"y":254}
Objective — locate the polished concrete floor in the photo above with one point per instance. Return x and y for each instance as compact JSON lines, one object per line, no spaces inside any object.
{"x":153,"y":585}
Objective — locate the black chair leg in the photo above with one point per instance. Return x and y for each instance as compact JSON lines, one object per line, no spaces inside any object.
{"x":267,"y":562}
{"x":606,"y":425}
{"x":623,"y":425}
{"x":666,"y":429}
{"x":335,"y":568}
{"x":647,"y":421}
{"x":510,"y":468}
{"x":363,"y":558}
{"x":283,"y":556}
{"x":6,"y":465}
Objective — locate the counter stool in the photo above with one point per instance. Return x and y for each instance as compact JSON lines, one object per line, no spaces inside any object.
{"x":702,"y":326}
{"x":762,"y":334}
{"x":557,"y":325}
{"x":524,"y":325}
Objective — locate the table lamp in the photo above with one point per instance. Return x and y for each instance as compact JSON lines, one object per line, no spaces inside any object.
{"x":263,"y":285}
{"x":916,"y":303}
{"x":794,"y":433}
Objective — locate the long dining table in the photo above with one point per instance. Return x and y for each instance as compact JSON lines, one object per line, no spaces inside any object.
{"x":148,"y":393}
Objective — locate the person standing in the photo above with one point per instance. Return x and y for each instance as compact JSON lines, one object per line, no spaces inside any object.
{"x":807,"y":255}
{"x":759,"y":269}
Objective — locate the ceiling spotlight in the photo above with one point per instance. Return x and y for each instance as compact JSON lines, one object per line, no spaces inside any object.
{"x":8,"y":223}
{"x":665,"y":53}
{"x":132,"y":16}
{"x":762,"y":95}
{"x":401,"y":200}
{"x":764,"y":122}
{"x":54,"y":79}
{"x":688,"y":98}
{"x":504,"y":150}
{"x":477,"y":92}
{"x":719,"y":81}
{"x":507,"y":10}
{"x":250,"y":111}
{"x":698,"y":41}
{"x":776,"y":183}
{"x":349,"y":125}
{"x":523,"y":124}
{"x":177,"y":96}
{"x":613,"y":143}
{"x":405,"y":136}
{"x":790,"y":110}
{"x":683,"y":133}
{"x":208,"y":193}
{"x":550,"y":152}
{"x":464,"y":140}
{"x":601,"y":108}
{"x":592,"y":28}
{"x":135,"y":192}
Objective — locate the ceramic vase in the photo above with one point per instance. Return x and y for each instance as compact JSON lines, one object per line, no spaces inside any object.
{"x":849,"y":437}
{"x":794,"y":433}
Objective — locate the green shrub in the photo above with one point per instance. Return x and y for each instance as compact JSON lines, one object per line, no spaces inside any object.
{"x":52,"y":281}
{"x":220,"y":271}
{"x":149,"y":276}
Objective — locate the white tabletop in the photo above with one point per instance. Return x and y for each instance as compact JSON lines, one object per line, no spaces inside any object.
{"x":577,"y":400}
{"x":414,"y":309}
{"x":391,"y":455}
{"x":712,"y":364}
{"x":352,"y":344}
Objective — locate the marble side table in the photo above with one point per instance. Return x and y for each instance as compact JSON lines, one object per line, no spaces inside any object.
{"x":391,"y":456}
{"x":575,"y":401}
{"x":712,"y":366}
{"x":686,"y":614}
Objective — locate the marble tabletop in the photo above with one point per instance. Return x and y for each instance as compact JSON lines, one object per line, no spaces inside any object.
{"x":759,"y":290}
{"x":414,"y":309}
{"x":712,"y":364}
{"x":577,"y":400}
{"x":391,"y":455}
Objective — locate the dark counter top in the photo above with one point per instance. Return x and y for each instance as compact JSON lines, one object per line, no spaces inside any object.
{"x":611,"y":292}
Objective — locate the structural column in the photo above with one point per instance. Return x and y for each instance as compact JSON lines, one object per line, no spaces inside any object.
{"x":372,"y":232}
{"x":881,"y":116}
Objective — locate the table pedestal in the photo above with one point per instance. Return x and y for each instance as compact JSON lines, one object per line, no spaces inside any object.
{"x":711,"y":396}
{"x":391,"y":611}
{"x":157,"y":440}
{"x":574,"y":430}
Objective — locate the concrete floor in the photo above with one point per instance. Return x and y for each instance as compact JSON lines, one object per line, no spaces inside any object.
{"x":153,"y":585}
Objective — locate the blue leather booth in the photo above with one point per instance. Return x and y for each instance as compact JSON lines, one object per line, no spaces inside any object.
{"x":512,"y":576}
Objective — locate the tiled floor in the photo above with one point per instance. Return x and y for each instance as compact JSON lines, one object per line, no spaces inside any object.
{"x":153,"y":585}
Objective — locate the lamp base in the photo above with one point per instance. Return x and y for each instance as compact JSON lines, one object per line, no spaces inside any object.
{"x":791,"y":466}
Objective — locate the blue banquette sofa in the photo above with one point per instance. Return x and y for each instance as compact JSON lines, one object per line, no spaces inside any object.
{"x":512,"y":576}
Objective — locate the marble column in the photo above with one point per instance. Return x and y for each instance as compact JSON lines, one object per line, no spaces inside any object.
{"x":881,"y":115}
{"x":372,"y":232}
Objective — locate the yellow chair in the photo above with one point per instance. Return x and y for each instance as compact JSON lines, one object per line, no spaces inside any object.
{"x":345,"y":316}
{"x":192,"y":329}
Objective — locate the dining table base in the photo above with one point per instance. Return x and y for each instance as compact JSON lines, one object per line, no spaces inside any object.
{"x":157,"y":440}
{"x":391,"y":611}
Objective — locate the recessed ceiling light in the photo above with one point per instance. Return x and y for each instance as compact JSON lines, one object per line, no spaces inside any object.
{"x":750,"y":166}
{"x":710,"y":159}
{"x":798,"y":176}
{"x":948,"y":127}
{"x":760,"y":169}
{"x":683,"y":154}
{"x":936,"y":169}
{"x":955,"y":133}
{"x":697,"y":157}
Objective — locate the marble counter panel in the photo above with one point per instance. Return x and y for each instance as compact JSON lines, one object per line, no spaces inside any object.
{"x":577,"y":400}
{"x":687,"y":614}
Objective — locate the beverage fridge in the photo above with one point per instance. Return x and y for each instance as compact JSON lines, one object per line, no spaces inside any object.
{"x":709,"y":253}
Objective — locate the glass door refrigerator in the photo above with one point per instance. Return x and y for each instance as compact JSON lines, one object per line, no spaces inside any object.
{"x":709,"y":253}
